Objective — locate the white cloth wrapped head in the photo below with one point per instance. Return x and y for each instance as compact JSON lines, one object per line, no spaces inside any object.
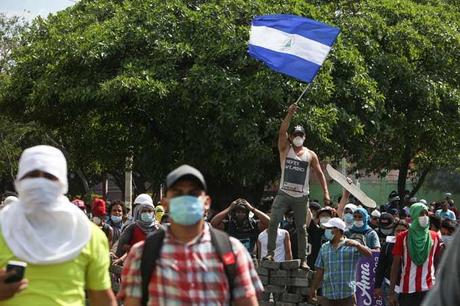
{"x":43,"y":227}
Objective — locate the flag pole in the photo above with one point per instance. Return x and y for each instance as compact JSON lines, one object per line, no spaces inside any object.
{"x":303,"y":92}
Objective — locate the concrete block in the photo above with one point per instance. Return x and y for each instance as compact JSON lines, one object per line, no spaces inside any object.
{"x":265,"y":296}
{"x":264,"y":279}
{"x":266,"y":303}
{"x":300,"y":273}
{"x":290,"y":264}
{"x":285,"y":304}
{"x":279,"y":273}
{"x":270,"y":265}
{"x":262,"y":271}
{"x":279,"y":281}
{"x":299,"y":282}
{"x":292,"y":298}
{"x":274,"y":289}
{"x":299,"y":290}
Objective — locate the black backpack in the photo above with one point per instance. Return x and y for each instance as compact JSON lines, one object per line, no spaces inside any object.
{"x":152,"y":247}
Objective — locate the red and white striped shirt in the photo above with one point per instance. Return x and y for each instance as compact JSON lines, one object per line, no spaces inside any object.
{"x":416,"y":278}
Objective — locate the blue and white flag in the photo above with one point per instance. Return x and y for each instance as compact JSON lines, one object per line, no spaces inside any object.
{"x":293,"y":45}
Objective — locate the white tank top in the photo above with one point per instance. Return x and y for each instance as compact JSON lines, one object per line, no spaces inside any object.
{"x":280,"y":252}
{"x":295,"y":174}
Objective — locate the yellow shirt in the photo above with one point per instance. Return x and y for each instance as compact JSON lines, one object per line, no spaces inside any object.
{"x":64,"y":283}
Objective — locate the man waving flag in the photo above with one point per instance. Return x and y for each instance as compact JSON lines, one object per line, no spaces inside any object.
{"x":293,"y":45}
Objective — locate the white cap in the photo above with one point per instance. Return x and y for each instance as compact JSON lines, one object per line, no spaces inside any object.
{"x":375,"y":213}
{"x":335,"y":222}
{"x":423,"y":201}
{"x":448,"y":195}
{"x":351,"y":206}
{"x":144,"y":198}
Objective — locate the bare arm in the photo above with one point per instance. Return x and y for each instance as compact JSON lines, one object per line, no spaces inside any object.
{"x":131,"y":301}
{"x":315,"y":284}
{"x":287,"y":246}
{"x":316,"y":166}
{"x":393,"y":279}
{"x":309,"y":217}
{"x":363,"y":250}
{"x":102,"y":297}
{"x":343,"y":202}
{"x":283,"y":139}
{"x":217,"y":220}
{"x":246,"y":301}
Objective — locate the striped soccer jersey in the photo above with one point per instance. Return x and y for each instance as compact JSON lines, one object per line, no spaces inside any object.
{"x":416,"y":278}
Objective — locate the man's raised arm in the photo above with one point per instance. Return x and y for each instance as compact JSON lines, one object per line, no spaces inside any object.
{"x":283,"y":139}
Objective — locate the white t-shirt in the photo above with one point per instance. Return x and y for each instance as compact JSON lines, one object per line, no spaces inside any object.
{"x":280,"y":252}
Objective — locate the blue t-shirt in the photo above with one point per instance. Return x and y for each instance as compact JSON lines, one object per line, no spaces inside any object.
{"x":449,"y":214}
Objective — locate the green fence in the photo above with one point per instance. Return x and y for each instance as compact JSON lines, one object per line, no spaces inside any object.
{"x":378,"y":191}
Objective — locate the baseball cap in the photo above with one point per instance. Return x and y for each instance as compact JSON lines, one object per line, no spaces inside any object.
{"x":298,"y":129}
{"x":335,"y":222}
{"x":375,"y":213}
{"x":314,"y":205}
{"x":185,"y":171}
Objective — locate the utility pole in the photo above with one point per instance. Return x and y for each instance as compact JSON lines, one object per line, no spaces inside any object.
{"x":129,"y":182}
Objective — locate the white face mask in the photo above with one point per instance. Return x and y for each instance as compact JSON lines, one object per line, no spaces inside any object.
{"x":424,"y":221}
{"x":324,"y":220}
{"x":358,"y":223}
{"x":298,"y":141}
{"x":38,"y":193}
{"x":386,"y":232}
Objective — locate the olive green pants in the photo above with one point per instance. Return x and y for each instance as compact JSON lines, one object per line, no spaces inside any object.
{"x":282,"y":204}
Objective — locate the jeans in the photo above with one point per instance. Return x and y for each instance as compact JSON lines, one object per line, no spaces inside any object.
{"x":282,"y":204}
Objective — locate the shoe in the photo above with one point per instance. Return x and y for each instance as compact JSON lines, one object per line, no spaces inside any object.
{"x":304,"y":265}
{"x":269,"y":258}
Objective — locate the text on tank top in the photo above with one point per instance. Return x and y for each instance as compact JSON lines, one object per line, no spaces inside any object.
{"x":296,"y":173}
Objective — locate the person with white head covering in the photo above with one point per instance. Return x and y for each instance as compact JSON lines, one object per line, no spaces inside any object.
{"x":374,"y":222}
{"x":144,"y":222}
{"x":345,"y":211}
{"x":54,"y":237}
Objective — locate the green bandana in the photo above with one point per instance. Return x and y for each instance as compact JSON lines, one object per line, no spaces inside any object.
{"x":419,"y":239}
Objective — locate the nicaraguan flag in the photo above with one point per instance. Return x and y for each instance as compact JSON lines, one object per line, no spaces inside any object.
{"x":293,"y":45}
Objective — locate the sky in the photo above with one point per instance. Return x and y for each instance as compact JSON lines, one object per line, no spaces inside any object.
{"x":32,"y":8}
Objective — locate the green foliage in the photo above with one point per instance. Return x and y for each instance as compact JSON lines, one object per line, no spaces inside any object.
{"x":172,"y":81}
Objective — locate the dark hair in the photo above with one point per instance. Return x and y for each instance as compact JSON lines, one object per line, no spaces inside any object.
{"x":401,"y":223}
{"x":435,"y":221}
{"x":118,"y":202}
{"x":449,"y":225}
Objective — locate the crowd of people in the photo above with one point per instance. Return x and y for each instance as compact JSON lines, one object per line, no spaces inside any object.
{"x":175,"y":253}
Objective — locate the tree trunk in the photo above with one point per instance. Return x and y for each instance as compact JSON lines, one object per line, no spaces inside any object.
{"x":420,"y":181}
{"x":403,"y":172}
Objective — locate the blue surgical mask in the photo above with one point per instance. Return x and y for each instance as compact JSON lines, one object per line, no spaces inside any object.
{"x":147,"y":217}
{"x":328,"y":234}
{"x":186,"y":210}
{"x":348,"y":218}
{"x":116,"y":219}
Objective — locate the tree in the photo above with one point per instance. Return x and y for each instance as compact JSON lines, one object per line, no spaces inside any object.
{"x":171,"y":80}
{"x":411,"y":50}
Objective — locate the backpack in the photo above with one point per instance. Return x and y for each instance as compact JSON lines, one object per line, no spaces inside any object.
{"x":152,"y":247}
{"x":360,"y":237}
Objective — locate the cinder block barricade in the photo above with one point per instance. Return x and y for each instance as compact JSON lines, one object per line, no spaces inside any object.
{"x":284,"y":282}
